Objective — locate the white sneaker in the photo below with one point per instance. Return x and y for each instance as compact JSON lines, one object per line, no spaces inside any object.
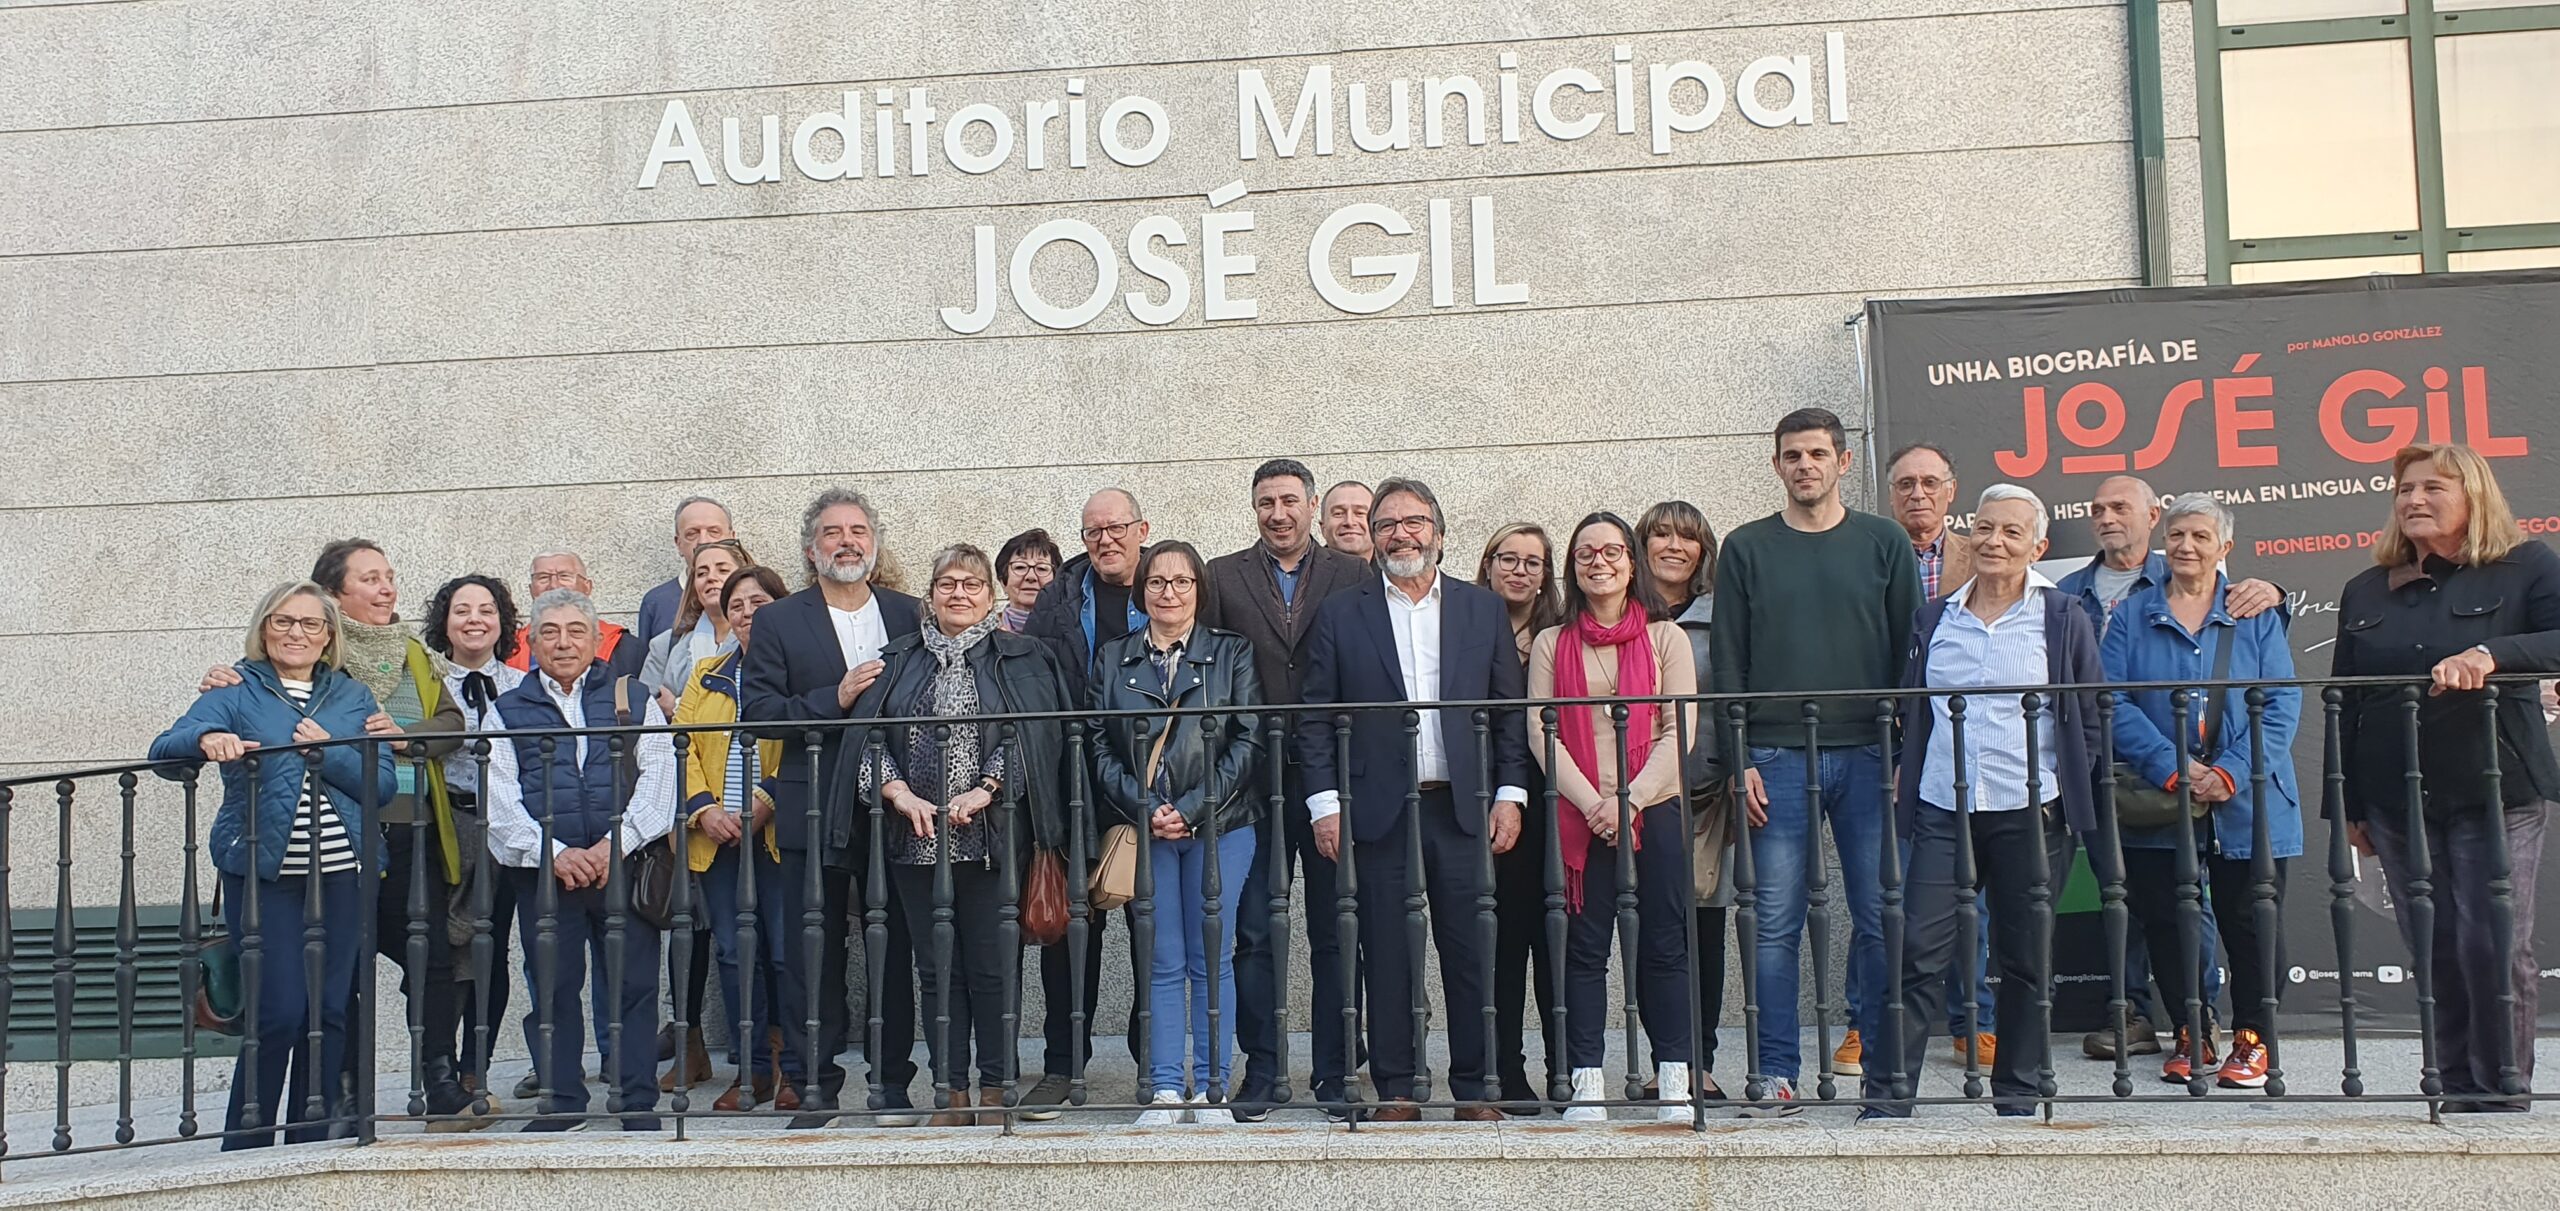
{"x":1673,"y":1080}
{"x":1165,"y":1117}
{"x":1211,"y":1116}
{"x":1777,"y":1100}
{"x":1589,"y":1085}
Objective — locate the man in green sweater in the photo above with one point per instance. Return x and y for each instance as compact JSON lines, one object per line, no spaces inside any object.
{"x":1815,"y":597}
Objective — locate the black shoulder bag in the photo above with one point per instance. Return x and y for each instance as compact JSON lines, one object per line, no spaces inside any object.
{"x":2140,"y":805}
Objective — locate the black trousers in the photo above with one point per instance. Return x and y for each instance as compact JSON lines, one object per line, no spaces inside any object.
{"x":841,"y":912}
{"x":475,"y":1048}
{"x":2151,"y":893}
{"x":1452,"y":867}
{"x":1661,"y":941}
{"x":975,"y":960}
{"x":580,"y":924}
{"x":2475,"y":1036}
{"x":1523,"y":960}
{"x":435,"y":998}
{"x":1060,"y":1035}
{"x":1933,"y":939}
{"x":1258,"y":1007}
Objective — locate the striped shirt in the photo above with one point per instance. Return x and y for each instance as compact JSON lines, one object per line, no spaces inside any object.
{"x":314,"y":816}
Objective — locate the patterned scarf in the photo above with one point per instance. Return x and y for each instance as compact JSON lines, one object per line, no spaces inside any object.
{"x":376,"y":656}
{"x":954,"y":694}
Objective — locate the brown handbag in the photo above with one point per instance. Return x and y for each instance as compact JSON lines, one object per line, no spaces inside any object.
{"x":1115,"y":878}
{"x":1044,"y":900}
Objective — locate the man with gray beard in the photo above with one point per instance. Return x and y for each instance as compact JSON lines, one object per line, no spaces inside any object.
{"x":814,"y":654}
{"x":1410,"y":634}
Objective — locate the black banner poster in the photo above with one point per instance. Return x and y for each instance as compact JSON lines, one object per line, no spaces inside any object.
{"x":2286,"y":401}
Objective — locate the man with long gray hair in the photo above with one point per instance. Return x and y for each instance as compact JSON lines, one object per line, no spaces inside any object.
{"x":814,"y":654}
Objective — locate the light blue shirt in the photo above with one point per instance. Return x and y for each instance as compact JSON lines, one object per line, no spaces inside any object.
{"x":2010,"y":650}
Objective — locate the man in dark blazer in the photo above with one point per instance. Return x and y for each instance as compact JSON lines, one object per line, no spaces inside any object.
{"x":1268,"y":593}
{"x":815,"y":652}
{"x":1411,"y":634}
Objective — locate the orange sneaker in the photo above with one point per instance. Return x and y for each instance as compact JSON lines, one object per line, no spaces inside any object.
{"x":2246,"y":1068}
{"x":1847,"y":1060}
{"x":1986,"y":1046}
{"x":2179,"y":1070}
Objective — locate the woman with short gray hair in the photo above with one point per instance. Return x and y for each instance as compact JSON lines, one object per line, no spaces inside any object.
{"x":2180,"y":632}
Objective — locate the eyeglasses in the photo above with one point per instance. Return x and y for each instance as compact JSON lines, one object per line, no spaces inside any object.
{"x":959,"y":584}
{"x":1020,"y":568}
{"x":1112,"y":531}
{"x":1510,"y":561}
{"x":542,"y":580}
{"x":1614,"y":552}
{"x":1418,"y":524}
{"x":1181,"y":586}
{"x":283,"y":624}
{"x":1928,"y":483}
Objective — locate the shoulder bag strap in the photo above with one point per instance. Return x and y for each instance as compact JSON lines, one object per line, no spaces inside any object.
{"x":2221,"y":697}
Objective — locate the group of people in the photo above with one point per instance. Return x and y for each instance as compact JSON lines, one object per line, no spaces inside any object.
{"x":838,"y":776}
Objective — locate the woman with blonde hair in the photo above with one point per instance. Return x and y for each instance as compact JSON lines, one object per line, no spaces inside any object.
{"x":2456,"y":595}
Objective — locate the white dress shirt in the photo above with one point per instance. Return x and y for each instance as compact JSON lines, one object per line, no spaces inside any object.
{"x":515,"y":838}
{"x":2008,"y":650}
{"x":1416,"y":622}
{"x":861,"y":633}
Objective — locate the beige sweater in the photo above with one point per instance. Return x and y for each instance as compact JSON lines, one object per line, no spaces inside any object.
{"x":1673,"y":672}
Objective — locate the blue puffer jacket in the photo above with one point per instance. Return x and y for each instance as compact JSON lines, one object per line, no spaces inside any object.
{"x":258,"y":710}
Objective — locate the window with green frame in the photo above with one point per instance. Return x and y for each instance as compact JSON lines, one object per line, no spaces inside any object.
{"x":2346,"y":137}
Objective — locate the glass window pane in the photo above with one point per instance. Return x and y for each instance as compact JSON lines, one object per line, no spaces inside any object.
{"x":2317,"y":140}
{"x":2247,"y":12}
{"x":2449,"y":6}
{"x":2508,"y":258}
{"x":2501,"y":127}
{"x":2329,"y":267}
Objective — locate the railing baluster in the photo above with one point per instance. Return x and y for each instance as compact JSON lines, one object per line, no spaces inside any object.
{"x":2039,"y":900}
{"x":256,"y":1114}
{"x":1486,"y":926}
{"x":617,"y":888}
{"x":2190,"y":897}
{"x":1817,"y":902}
{"x":2421,"y":907}
{"x":66,"y":944}
{"x":1559,"y":1068}
{"x":1009,"y":833}
{"x":1623,"y":856}
{"x":1277,"y":867}
{"x":2502,"y":911}
{"x":546,"y":941}
{"x":947,"y":1083}
{"x":484,"y":976}
{"x":1746,"y":902}
{"x":2342,"y":884}
{"x":752,"y":962}
{"x":190,"y":955}
{"x":1212,"y":919}
{"x":128,"y":943}
{"x":2106,"y":856}
{"x":1142,"y":928}
{"x":416,"y":987}
{"x":1346,"y":908}
{"x":2265,"y":891}
{"x":1889,"y":877}
{"x":681,"y":928}
{"x":1417,"y":894}
{"x":1080,"y":925}
{"x":1968,"y":902}
{"x":875,"y":940}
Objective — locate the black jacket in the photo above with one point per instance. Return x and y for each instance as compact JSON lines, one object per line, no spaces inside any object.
{"x":2070,"y":658}
{"x":790,"y":676}
{"x":1209,"y":758}
{"x":2513,"y":608}
{"x":1057,"y":619}
{"x":1016,"y":676}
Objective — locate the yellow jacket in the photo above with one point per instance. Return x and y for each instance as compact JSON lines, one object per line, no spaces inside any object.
{"x":711,"y":696}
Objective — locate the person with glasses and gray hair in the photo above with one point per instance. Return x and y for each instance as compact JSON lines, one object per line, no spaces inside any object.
{"x":2183,"y":630}
{"x":1413,"y":634}
{"x":568,"y":570}
{"x":288,"y":821}
{"x":1990,"y":788}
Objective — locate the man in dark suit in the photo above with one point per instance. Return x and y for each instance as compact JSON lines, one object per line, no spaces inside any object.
{"x":815,"y":652}
{"x":1268,"y":593}
{"x":1093,"y":601}
{"x":1410,"y":634}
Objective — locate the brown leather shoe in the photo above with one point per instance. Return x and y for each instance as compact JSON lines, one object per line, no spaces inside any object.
{"x":1479,"y":1114}
{"x":990,"y":1107}
{"x":1396,"y":1110}
{"x":786,"y":1098}
{"x":729,"y":1100}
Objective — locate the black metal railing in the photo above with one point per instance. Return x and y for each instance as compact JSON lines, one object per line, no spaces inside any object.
{"x":341,"y":1102}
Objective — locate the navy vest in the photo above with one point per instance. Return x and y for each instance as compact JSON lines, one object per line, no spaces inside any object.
{"x":579,"y":800}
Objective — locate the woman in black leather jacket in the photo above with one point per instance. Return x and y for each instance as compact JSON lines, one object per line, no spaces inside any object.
{"x":1189,"y":795}
{"x":941,"y":791}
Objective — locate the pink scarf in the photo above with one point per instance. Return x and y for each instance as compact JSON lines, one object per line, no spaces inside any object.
{"x":1582,"y":728}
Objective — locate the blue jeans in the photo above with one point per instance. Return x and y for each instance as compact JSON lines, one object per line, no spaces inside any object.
{"x":261,"y":1093}
{"x":721,"y":887}
{"x":1180,"y":963}
{"x":1852,"y":797}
